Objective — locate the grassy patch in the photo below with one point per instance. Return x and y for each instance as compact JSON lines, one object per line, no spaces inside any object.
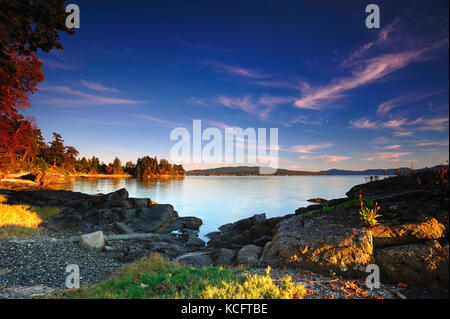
{"x":23,"y":220}
{"x":256,"y":287}
{"x":156,"y":277}
{"x":349,"y":204}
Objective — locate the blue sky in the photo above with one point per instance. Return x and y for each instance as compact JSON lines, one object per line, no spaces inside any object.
{"x":341,"y":95}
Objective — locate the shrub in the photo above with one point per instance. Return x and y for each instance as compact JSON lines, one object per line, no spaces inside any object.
{"x":256,"y":287}
{"x":157,"y":277}
{"x":369,"y":215}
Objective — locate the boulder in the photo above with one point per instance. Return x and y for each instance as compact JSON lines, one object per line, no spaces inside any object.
{"x":179,"y":223}
{"x":224,"y":256}
{"x":46,"y":178}
{"x":214,"y":234}
{"x":140,"y":202}
{"x":328,"y":241}
{"x":93,"y":240}
{"x":197,"y":259}
{"x":122,"y":228}
{"x":420,"y":264}
{"x":254,"y":230}
{"x":242,"y":224}
{"x":230,"y":240}
{"x":249,"y":255}
{"x":118,"y":198}
{"x":154,"y":218}
{"x":408,"y":233}
{"x":193,"y":242}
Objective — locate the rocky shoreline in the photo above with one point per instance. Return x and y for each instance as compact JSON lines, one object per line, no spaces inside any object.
{"x":410,"y":245}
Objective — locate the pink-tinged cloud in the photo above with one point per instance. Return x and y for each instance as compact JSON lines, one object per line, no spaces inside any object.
{"x":392,"y":147}
{"x":364,"y":123}
{"x":235,"y":70}
{"x":433,"y":143}
{"x":395,"y":124}
{"x":98,"y":87}
{"x":404,"y":133}
{"x":83,"y":98}
{"x":309,"y":148}
{"x":260,"y":107}
{"x":326,"y":158}
{"x":431,"y":124}
{"x":360,"y":52}
{"x":386,"y":156}
{"x":160,"y":121}
{"x":245,"y":103}
{"x":371,"y":70}
{"x":388,"y":105}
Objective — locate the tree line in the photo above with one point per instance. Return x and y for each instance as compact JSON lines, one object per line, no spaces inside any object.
{"x":56,"y":156}
{"x":25,"y":28}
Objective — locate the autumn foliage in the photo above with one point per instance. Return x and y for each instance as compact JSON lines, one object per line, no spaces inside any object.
{"x":19,"y":77}
{"x":25,"y":27}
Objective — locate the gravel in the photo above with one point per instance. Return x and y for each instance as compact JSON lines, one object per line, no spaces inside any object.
{"x":332,"y":287}
{"x":44,"y":263}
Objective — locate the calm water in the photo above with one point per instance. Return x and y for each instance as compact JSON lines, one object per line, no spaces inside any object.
{"x":218,"y":200}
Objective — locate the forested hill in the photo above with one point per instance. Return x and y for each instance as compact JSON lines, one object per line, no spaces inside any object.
{"x":254,"y":171}
{"x":246,"y":171}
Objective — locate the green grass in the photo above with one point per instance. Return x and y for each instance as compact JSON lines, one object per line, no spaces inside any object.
{"x":309,"y":214}
{"x":13,"y":231}
{"x":45,"y":213}
{"x":354,"y":203}
{"x":156,"y":277}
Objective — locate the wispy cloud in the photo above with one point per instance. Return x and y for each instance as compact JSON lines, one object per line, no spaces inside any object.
{"x":236,"y":70}
{"x":392,"y":147}
{"x":98,"y":87}
{"x":326,"y":158}
{"x":388,"y":105}
{"x":381,"y":140}
{"x":402,"y":126}
{"x":373,"y":70}
{"x":79,"y":98}
{"x":431,"y":124}
{"x":365,"y":70}
{"x":201,"y":46}
{"x":199,"y":101}
{"x":387,"y":156}
{"x":59,"y":63}
{"x":433,"y":143}
{"x":260,"y":106}
{"x":363,"y":123}
{"x":309,"y":148}
{"x":161,"y":121}
{"x":104,"y":122}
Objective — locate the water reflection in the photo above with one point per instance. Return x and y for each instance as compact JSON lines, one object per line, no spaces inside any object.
{"x":223,"y":199}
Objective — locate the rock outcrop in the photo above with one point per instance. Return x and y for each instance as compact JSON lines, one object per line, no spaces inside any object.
{"x":255,"y":230}
{"x":329,"y":241}
{"x":420,"y":264}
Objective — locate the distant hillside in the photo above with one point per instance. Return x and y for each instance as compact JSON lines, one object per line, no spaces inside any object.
{"x":246,"y":171}
{"x":377,"y":171}
{"x":254,"y":171}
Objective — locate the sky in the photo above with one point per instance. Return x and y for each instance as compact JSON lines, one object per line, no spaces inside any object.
{"x":341,"y":95}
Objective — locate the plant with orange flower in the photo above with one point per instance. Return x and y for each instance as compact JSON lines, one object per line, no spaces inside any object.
{"x":368,"y":215}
